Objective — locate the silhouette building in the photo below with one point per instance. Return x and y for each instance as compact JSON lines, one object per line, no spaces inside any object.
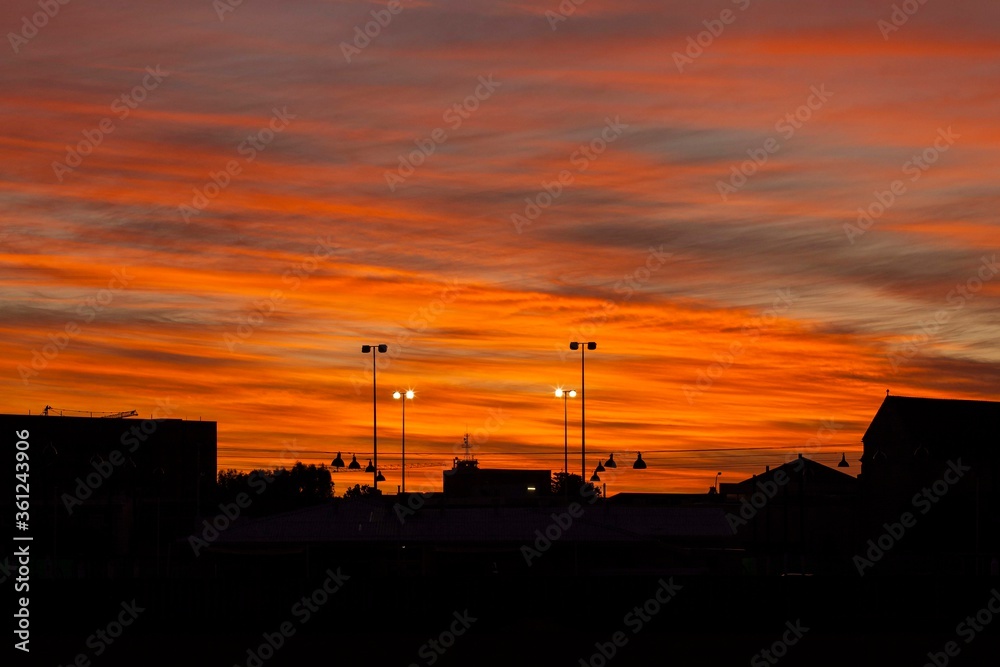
{"x":467,"y":480}
{"x":939,"y":461}
{"x":107,"y":494}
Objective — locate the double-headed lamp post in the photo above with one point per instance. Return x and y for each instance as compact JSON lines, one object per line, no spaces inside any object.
{"x":565,"y":393}
{"x":403,"y":396}
{"x":583,"y":347}
{"x":365,"y":349}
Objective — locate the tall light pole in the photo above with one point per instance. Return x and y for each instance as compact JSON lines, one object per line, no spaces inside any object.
{"x":565,"y":393}
{"x":404,"y":396}
{"x":365,"y":349}
{"x":583,"y":347}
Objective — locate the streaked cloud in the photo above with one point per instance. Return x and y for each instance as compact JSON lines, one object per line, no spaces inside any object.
{"x":498,"y":340}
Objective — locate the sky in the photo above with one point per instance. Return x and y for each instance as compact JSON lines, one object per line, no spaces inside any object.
{"x":765,"y":215}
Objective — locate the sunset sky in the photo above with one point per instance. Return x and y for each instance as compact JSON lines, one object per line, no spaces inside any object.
{"x":211,"y":207}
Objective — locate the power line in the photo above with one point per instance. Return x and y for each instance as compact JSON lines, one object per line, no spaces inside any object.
{"x":483,"y":451}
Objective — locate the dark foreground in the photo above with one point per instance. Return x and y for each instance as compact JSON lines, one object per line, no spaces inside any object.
{"x":339,"y":618}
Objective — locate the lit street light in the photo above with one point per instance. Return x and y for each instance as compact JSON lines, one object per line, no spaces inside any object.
{"x":408,"y":395}
{"x":565,"y":393}
{"x":373,"y":468}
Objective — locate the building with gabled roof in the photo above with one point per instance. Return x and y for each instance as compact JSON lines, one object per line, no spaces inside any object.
{"x":801,"y":475}
{"x":794,"y":518}
{"x":939,"y":460}
{"x":907,"y":429}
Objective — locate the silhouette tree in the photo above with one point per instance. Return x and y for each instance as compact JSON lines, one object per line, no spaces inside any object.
{"x":357,"y":491}
{"x":276,"y":490}
{"x":568,"y":485}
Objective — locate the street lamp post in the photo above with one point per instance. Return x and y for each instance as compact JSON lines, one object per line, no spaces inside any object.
{"x":565,"y":393}
{"x":365,"y":349}
{"x":404,"y":396}
{"x":583,"y":347}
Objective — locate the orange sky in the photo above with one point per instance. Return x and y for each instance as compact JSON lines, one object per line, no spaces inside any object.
{"x":745,"y":319}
